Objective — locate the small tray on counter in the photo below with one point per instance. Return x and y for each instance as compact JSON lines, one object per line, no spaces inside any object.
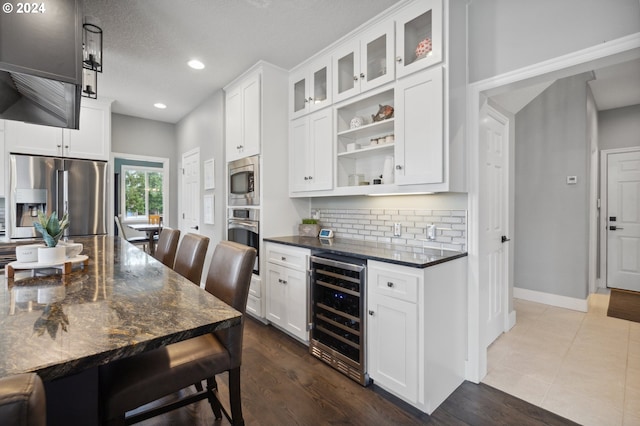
{"x":65,"y":266}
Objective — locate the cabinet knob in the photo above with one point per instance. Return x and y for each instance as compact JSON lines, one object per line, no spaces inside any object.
{"x":361,"y":75}
{"x":398,"y":58}
{"x":284,"y":259}
{"x":398,"y":167}
{"x":59,"y":146}
{"x":389,"y":284}
{"x":310,"y":177}
{"x":371,"y":313}
{"x":306,"y":101}
{"x":306,"y":178}
{"x":355,"y":78}
{"x":310,"y":99}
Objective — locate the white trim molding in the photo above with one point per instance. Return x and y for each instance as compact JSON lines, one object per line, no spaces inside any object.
{"x":572,"y":303}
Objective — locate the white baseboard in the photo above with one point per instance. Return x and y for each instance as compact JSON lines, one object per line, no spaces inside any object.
{"x":551,"y":299}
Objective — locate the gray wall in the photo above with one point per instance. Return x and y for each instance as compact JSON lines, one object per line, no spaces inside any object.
{"x":619,"y":127}
{"x":552,"y":218}
{"x":139,"y":136}
{"x":204,"y":128}
{"x":505,"y":35}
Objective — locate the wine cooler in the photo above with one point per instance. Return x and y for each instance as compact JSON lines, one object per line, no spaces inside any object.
{"x":338,"y":290}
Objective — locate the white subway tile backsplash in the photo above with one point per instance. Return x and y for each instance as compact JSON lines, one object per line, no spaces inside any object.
{"x":377,"y":225}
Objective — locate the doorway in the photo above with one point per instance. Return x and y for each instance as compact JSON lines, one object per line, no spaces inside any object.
{"x":479,"y":288}
{"x":190,"y":193}
{"x":118,"y":160}
{"x":620,"y":191}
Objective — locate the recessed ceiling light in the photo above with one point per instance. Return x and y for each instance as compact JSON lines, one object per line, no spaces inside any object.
{"x":195,"y":64}
{"x":159,"y":105}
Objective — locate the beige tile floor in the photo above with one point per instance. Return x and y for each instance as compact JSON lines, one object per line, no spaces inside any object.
{"x":582,"y":366}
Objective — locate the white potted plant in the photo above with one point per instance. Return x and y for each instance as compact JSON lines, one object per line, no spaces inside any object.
{"x":51,"y":229}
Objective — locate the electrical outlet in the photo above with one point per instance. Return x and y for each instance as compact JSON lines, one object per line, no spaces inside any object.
{"x":431,"y":232}
{"x":397,"y":229}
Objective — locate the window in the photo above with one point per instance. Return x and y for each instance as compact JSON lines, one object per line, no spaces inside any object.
{"x":142,"y":192}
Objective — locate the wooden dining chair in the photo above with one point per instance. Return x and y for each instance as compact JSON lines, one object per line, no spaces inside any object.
{"x":167,"y":246}
{"x":131,"y":382}
{"x":190,"y":257}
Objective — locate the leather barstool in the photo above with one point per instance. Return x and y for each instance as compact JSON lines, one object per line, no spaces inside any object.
{"x":190,"y":257}
{"x":22,"y":400}
{"x":131,"y":382}
{"x":167,"y":246}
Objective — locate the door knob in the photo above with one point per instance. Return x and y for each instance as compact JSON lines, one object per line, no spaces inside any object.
{"x":398,"y":167}
{"x":355,"y":78}
{"x":504,"y":239}
{"x":371,"y":313}
{"x":399,"y":59}
{"x":361,"y":75}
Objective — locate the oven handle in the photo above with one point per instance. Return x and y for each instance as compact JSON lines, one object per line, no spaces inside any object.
{"x":244,"y":225}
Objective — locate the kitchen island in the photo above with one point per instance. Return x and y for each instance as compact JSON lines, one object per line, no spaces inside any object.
{"x":123,"y":303}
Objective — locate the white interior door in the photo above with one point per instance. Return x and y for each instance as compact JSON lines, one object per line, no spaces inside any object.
{"x":494,"y":219}
{"x":623,"y":220}
{"x":190,"y":204}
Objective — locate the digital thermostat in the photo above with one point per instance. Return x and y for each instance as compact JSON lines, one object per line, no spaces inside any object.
{"x":325,"y":233}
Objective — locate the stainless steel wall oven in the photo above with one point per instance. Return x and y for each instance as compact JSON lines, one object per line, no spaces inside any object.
{"x":244,"y":227}
{"x":338,"y":322}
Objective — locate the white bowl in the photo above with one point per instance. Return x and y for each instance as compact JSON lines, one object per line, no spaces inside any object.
{"x":71,"y":249}
{"x":28,"y":252}
{"x":52,"y":255}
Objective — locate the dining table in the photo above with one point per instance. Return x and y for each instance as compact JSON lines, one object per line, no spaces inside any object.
{"x":122,"y":302}
{"x":151,"y":229}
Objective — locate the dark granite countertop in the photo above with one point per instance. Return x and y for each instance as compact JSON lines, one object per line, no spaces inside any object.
{"x":416,"y":257}
{"x":124,"y":302}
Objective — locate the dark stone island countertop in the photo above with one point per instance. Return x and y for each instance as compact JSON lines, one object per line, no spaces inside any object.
{"x":416,"y":257}
{"x":124,"y":302}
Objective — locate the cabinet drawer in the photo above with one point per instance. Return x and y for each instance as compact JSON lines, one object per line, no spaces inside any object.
{"x":255,"y":288}
{"x":254,"y":306}
{"x":286,"y":256}
{"x":395,"y":281}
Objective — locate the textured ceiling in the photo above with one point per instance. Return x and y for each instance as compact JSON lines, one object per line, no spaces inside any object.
{"x":147,"y":44}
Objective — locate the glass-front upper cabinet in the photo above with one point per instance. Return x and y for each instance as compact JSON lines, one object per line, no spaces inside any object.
{"x":310,"y":87}
{"x":418,"y":37}
{"x":364,"y":63}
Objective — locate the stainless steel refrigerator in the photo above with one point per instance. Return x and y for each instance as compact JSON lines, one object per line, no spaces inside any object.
{"x":78,"y":187}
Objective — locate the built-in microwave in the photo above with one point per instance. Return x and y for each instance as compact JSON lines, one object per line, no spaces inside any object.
{"x":244,"y":182}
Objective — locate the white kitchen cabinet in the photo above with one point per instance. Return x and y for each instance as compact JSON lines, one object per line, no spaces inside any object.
{"x":365,"y":62}
{"x":91,"y":141}
{"x":243,"y":117}
{"x":393,"y":329}
{"x":416,"y":330}
{"x":33,"y":139}
{"x":419,"y":143}
{"x":417,"y":27}
{"x":287,"y":289}
{"x":311,"y":152}
{"x":310,"y":87}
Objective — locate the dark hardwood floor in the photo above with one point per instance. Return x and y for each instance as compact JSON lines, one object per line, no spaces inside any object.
{"x":283,"y":385}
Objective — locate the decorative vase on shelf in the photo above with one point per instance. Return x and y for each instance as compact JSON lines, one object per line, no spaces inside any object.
{"x":423,"y":48}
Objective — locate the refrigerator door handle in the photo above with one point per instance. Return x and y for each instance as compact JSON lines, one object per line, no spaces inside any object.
{"x":65,"y":183}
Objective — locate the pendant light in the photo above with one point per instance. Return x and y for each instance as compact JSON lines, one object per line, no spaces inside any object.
{"x":91,"y":59}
